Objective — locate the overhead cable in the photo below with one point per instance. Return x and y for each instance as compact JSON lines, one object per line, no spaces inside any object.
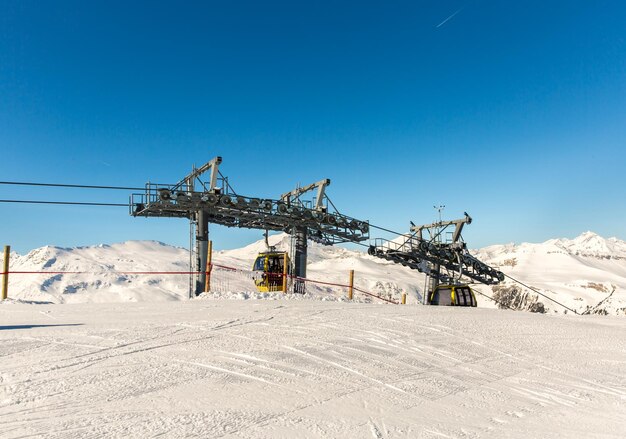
{"x":80,"y":186}
{"x":541,"y":294}
{"x":77,"y":203}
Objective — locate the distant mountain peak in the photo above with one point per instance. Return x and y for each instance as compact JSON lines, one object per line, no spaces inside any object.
{"x":588,"y":236}
{"x":591,"y":244}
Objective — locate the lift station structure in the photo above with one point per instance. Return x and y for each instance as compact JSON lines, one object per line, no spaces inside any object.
{"x":215,"y":201}
{"x":436,"y":249}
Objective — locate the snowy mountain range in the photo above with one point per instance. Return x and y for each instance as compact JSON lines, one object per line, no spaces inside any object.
{"x":587,"y":273}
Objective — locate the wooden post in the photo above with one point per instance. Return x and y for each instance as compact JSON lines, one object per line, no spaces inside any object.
{"x":351,"y":286}
{"x":404,"y":298}
{"x":5,"y":271}
{"x":209,"y":254}
{"x":285,"y":266}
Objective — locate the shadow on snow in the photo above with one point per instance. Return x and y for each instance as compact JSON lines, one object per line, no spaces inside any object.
{"x":2,"y":328}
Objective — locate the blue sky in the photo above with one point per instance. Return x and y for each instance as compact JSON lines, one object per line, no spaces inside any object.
{"x":512,"y":111}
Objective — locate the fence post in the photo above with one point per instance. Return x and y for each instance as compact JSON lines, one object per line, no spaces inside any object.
{"x":5,"y":271}
{"x":404,"y":298}
{"x":209,"y":254}
{"x":285,"y":266}
{"x":351,"y":286}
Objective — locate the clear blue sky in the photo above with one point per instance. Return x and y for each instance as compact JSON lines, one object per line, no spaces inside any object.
{"x":512,"y":111}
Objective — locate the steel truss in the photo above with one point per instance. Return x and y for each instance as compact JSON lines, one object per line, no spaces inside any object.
{"x":444,"y":261}
{"x":224,"y":207}
{"x":214,"y":201}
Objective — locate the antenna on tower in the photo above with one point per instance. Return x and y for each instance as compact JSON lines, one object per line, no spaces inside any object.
{"x":439,"y":209}
{"x":438,"y":230}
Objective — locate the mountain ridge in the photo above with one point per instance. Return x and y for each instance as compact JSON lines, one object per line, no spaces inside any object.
{"x":580,"y":272}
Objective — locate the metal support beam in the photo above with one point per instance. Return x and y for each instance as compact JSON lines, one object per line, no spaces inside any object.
{"x":5,"y":271}
{"x":209,"y":267}
{"x":213,"y":165}
{"x":458,"y":227}
{"x":351,"y":285}
{"x":321,"y":192}
{"x":435,"y":272}
{"x":319,"y":198}
{"x":202,"y":242}
{"x":299,"y":258}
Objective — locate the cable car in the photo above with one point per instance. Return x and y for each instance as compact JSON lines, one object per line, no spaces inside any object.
{"x":269,"y":268}
{"x":453,"y":295}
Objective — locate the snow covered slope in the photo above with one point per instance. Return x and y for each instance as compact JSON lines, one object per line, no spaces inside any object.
{"x":81,"y":285}
{"x":295,"y":369}
{"x":586,"y":272}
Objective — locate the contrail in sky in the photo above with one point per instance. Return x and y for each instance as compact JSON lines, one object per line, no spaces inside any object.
{"x":449,"y":18}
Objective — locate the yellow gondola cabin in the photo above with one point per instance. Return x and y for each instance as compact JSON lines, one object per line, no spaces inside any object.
{"x":269,"y":268}
{"x":453,"y":295}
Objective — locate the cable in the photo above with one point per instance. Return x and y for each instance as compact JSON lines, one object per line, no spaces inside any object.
{"x":496,"y":301}
{"x":64,"y":203}
{"x":386,"y":230}
{"x":104,"y":272}
{"x":541,"y":294}
{"x":73,"y":185}
{"x":374,"y":295}
{"x":81,"y":186}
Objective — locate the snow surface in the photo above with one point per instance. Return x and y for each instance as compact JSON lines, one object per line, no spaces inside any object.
{"x":582,"y":273}
{"x":306,"y":369}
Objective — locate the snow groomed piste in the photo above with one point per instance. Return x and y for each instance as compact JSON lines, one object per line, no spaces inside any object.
{"x":306,"y":369}
{"x":425,"y":248}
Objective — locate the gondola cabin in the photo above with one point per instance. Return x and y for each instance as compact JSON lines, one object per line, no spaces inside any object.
{"x":269,"y":271}
{"x":453,"y":295}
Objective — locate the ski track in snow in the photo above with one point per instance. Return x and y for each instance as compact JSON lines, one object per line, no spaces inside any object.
{"x":237,"y":369}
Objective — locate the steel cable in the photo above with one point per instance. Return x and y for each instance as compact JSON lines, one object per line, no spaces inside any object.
{"x":80,"y":186}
